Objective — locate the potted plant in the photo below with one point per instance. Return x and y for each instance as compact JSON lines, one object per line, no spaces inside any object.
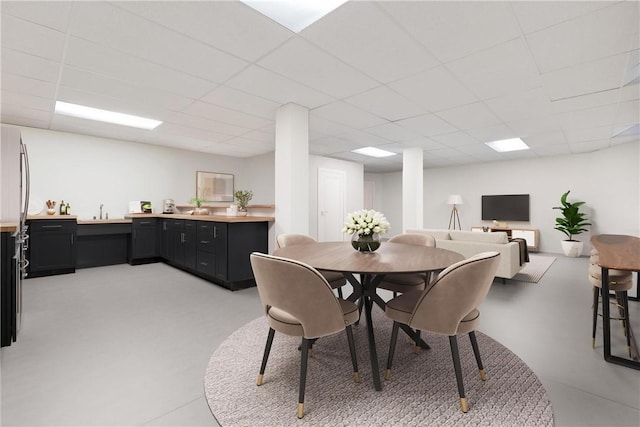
{"x":571,"y":223}
{"x":243,"y":197}
{"x":199,"y":210}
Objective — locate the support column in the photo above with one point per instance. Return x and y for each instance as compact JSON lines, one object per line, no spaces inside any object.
{"x":412,"y":189}
{"x":292,"y":170}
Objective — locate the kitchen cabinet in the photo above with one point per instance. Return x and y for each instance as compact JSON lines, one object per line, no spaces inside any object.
{"x":234,"y":243}
{"x":101,"y":244}
{"x":52,"y":247}
{"x":206,"y":249}
{"x":184,"y":243}
{"x":144,"y":241}
{"x":8,"y":288}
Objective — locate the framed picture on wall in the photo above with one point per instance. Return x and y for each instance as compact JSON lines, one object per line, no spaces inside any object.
{"x":214,"y":187}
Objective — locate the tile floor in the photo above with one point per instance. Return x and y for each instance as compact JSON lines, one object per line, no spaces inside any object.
{"x":128,"y":346}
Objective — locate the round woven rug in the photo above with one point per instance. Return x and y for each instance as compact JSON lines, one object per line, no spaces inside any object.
{"x":422,"y":390}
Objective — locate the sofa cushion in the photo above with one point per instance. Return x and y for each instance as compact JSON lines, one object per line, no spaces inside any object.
{"x":470,"y":236}
{"x":437,"y":234}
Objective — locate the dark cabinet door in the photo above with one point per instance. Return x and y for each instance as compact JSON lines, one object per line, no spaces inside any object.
{"x":166,"y":240}
{"x":190,"y":244}
{"x":178,"y":241}
{"x":143,"y":238}
{"x":220,"y":238}
{"x":206,"y":250}
{"x":52,"y":247}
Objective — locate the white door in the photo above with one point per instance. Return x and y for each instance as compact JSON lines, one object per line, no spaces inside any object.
{"x":331,"y":204}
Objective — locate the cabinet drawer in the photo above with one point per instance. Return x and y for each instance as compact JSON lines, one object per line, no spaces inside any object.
{"x":206,"y":263}
{"x":206,"y":244}
{"x":52,"y":225}
{"x":144,"y":223}
{"x":205,"y":229}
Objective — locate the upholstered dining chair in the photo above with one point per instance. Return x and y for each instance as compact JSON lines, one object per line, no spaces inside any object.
{"x":404,"y":282}
{"x":620,"y":281}
{"x":449,"y":307}
{"x":298,"y":301}
{"x":336,"y":280}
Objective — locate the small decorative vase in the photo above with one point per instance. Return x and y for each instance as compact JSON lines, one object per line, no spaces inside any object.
{"x":242,"y":211}
{"x":201,"y":211}
{"x":365,"y":243}
{"x":51,"y":211}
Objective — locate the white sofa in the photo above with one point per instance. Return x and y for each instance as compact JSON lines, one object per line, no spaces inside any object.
{"x":469,"y":243}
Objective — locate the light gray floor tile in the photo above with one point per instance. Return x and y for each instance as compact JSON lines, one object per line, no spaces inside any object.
{"x":129,"y":345}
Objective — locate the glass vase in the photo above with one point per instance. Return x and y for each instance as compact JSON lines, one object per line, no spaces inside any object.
{"x":365,"y":242}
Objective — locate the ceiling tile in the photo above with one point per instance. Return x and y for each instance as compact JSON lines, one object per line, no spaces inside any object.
{"x":532,"y":17}
{"x":492,"y":133}
{"x":319,"y":126}
{"x":470,"y":116}
{"x":34,"y":39}
{"x":498,"y":71}
{"x":232,"y":27}
{"x":589,"y":118}
{"x":118,"y":29}
{"x":33,"y":67}
{"x":279,"y":89}
{"x":520,"y":105}
{"x":597,"y":76}
{"x":392,"y":132}
{"x":386,"y":103}
{"x":583,"y":102}
{"x":24,"y":100}
{"x":588,"y":134}
{"x":28,"y":86}
{"x":346,"y":114}
{"x":545,"y":138}
{"x":599,"y":34}
{"x":233,"y":99}
{"x":226,"y":115}
{"x":54,"y":15}
{"x":452,"y":30}
{"x":587,"y":147}
{"x":435,"y":89}
{"x":456,"y":139}
{"x":11,"y":112}
{"x":534,"y":125}
{"x":303,"y":62}
{"x":364,"y":37}
{"x":117,"y":65}
{"x":427,"y":125}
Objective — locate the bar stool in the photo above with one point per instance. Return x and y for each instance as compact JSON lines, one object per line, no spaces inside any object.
{"x":619,"y":282}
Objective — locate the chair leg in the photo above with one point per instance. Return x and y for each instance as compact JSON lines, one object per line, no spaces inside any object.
{"x":265,"y":357}
{"x":303,"y":375}
{"x":596,"y":297}
{"x":352,"y":350}
{"x":416,"y":348}
{"x":392,"y":349}
{"x":476,"y":353}
{"x":340,"y":292}
{"x":453,"y":343}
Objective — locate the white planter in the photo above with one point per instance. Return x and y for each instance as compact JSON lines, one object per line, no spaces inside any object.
{"x":572,"y":248}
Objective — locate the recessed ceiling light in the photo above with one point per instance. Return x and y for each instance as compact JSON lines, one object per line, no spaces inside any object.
{"x":504,"y":145}
{"x":296,"y":15}
{"x":373,"y":152}
{"x":90,"y":113}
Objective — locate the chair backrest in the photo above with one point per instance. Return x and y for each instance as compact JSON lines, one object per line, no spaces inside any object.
{"x":299,"y":290}
{"x":414,"y":239}
{"x":457,"y":292}
{"x":293,"y":239}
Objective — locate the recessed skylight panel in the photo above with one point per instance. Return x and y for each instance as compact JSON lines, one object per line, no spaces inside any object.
{"x":296,"y":15}
{"x":373,"y":152}
{"x":505,"y":145}
{"x":90,"y":113}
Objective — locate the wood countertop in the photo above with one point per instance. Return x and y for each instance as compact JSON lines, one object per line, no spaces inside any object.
{"x":9,"y":226}
{"x":215,"y":218}
{"x":47,"y":217}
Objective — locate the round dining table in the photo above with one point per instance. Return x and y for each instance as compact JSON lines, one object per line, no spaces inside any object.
{"x":371,"y":268}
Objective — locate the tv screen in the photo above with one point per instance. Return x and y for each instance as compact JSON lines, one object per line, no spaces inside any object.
{"x":505,"y":207}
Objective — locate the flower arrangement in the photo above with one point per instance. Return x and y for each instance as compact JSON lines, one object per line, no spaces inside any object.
{"x":366,"y":222}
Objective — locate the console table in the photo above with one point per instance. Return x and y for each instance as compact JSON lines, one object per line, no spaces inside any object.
{"x":531,"y":235}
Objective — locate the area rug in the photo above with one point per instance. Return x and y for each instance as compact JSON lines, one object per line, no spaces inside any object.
{"x":535,"y":268}
{"x":421,"y":392}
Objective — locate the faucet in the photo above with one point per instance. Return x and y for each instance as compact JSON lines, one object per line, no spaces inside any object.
{"x":101,"y":206}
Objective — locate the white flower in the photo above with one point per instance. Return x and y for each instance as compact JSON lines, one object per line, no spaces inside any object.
{"x":365,"y":222}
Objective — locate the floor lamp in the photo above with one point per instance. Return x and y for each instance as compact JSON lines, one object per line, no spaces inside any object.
{"x":454,"y":199}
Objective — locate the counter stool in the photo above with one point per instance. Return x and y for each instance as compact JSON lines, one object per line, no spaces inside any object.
{"x":619,"y":282}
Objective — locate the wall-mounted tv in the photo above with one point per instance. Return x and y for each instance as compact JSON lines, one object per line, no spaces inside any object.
{"x":505,"y":207}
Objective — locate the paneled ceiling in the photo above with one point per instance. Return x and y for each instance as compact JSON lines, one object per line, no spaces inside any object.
{"x":442,"y":76}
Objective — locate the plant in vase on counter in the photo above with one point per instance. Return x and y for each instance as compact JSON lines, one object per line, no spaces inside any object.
{"x":365,"y":227}
{"x":199,"y":210}
{"x":243,"y":197}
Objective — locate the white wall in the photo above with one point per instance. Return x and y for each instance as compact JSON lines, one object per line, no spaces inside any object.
{"x":607,"y":180}
{"x":88,"y":171}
